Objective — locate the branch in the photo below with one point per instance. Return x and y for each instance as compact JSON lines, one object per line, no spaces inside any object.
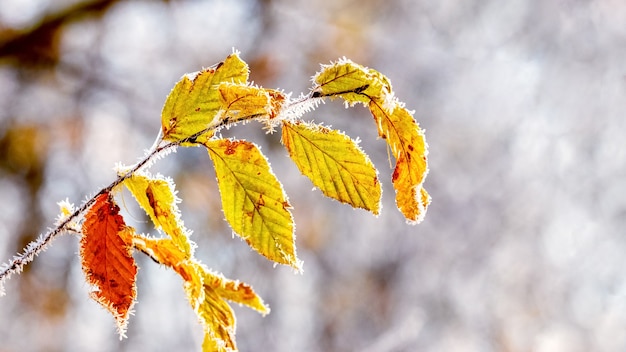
{"x":37,"y":45}
{"x":15,"y":265}
{"x":291,"y":109}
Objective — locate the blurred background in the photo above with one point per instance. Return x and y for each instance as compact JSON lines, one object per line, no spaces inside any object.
{"x":522,"y":249}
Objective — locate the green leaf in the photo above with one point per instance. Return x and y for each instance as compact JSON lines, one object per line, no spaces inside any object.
{"x":191,"y":107}
{"x":253,"y":200}
{"x":334,"y":163}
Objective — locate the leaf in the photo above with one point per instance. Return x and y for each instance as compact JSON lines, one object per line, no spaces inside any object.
{"x":253,"y":200}
{"x":162,"y":250}
{"x":218,"y":320}
{"x":166,"y":252}
{"x":206,"y":292}
{"x":191,"y":108}
{"x":209,"y":344}
{"x":352,"y":82}
{"x":216,"y":316}
{"x":213,"y":312}
{"x":334,"y":163}
{"x":409,"y":147}
{"x":241,"y":102}
{"x":357,"y":84}
{"x":157,"y":198}
{"x":234,"y":291}
{"x":106,"y":258}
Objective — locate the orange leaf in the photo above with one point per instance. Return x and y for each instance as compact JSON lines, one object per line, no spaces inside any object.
{"x":409,"y":147}
{"x":234,"y":291}
{"x":105,"y":251}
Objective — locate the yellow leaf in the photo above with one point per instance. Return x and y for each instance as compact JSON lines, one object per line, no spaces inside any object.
{"x":210,"y":344}
{"x":357,"y":84}
{"x":352,"y":82}
{"x":241,"y":102}
{"x":234,"y":291}
{"x":409,"y":147}
{"x":161,"y":250}
{"x":218,"y":320}
{"x":191,"y":108}
{"x":191,"y":272}
{"x":206,"y":291}
{"x":253,"y":200}
{"x":166,"y":252}
{"x":156,"y":197}
{"x":334,"y":163}
{"x":216,"y":316}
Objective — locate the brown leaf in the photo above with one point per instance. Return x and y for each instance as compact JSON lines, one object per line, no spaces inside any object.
{"x":105,"y":251}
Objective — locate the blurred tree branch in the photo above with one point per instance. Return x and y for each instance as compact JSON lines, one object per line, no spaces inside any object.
{"x":37,"y":46}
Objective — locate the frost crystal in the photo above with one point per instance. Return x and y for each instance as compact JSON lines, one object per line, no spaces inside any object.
{"x":67,"y":209}
{"x":294,"y":109}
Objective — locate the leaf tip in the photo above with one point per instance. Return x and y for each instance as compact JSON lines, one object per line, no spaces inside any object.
{"x":415,"y":214}
{"x":121,"y":317}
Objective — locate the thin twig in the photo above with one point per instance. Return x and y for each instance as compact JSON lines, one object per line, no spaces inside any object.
{"x":15,"y":265}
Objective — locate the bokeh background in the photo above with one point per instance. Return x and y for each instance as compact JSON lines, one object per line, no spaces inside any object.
{"x":522,"y":249}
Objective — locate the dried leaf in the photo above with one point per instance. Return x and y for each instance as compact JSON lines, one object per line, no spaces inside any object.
{"x":106,"y":258}
{"x":253,"y":200}
{"x":334,"y":163}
